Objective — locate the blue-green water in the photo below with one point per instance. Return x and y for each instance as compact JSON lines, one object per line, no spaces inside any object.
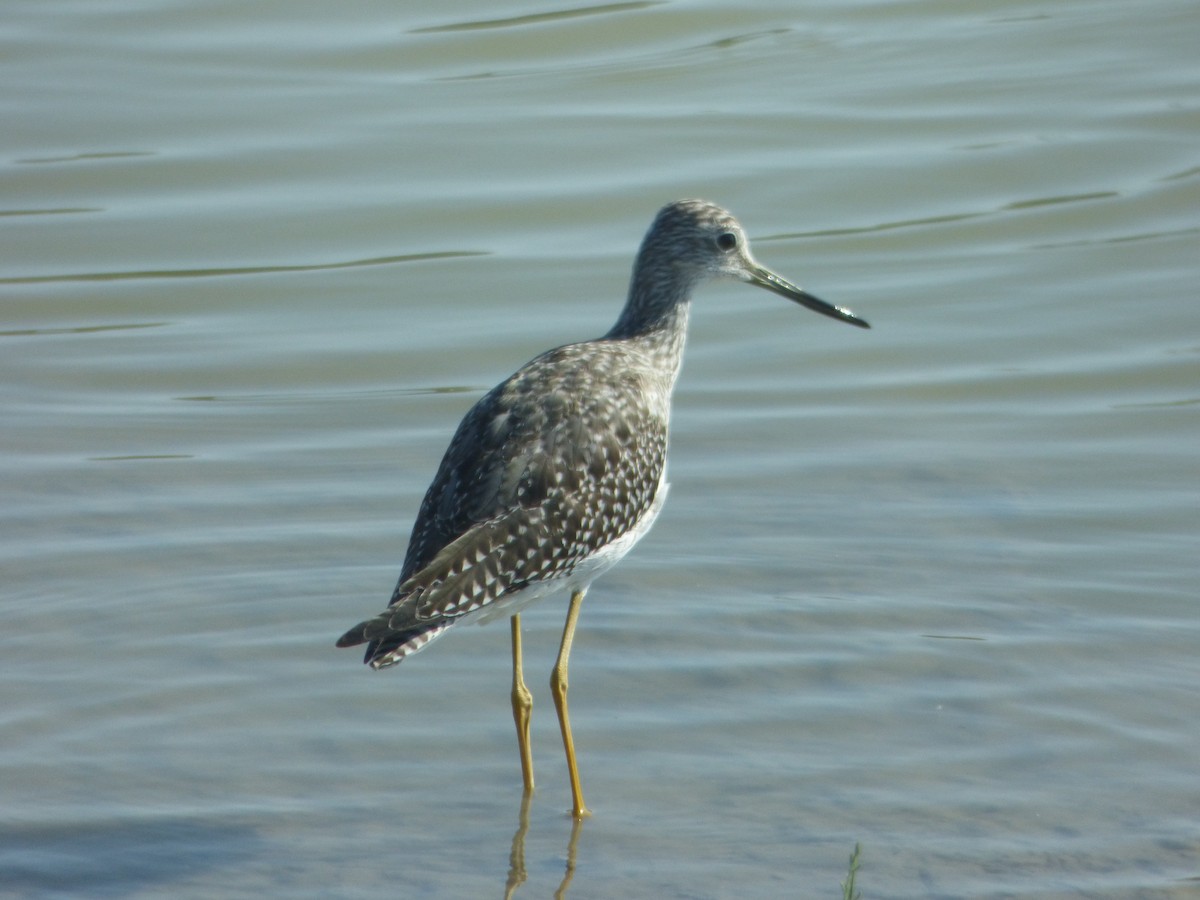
{"x":931,"y":588}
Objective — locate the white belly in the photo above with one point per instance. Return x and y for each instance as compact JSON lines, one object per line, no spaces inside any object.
{"x":587,"y":571}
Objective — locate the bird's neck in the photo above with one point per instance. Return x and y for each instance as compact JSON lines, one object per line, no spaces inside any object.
{"x":655,"y":316}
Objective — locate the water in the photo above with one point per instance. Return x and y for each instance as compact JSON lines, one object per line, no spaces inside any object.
{"x":930,"y":588}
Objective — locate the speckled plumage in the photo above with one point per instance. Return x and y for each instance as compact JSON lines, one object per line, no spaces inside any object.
{"x":558,"y":470}
{"x":551,"y":465}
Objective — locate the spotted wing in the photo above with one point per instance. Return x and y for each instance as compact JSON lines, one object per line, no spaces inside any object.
{"x":554,"y":463}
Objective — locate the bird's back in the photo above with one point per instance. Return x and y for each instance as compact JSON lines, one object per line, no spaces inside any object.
{"x":551,"y":466}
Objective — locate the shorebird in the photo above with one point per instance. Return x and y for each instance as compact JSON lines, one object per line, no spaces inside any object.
{"x":560,"y":469}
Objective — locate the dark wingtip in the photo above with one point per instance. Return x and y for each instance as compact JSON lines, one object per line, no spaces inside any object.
{"x":353,"y":637}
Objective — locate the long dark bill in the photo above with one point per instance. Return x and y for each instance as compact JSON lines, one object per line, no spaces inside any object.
{"x":772,"y":282}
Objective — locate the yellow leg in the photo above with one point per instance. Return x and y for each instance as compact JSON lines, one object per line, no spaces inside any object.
{"x":522,"y":706}
{"x":558,"y":688}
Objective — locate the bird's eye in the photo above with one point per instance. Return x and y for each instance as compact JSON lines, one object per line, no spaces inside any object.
{"x":727,"y":240}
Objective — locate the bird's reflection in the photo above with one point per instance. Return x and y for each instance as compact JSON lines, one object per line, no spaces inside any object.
{"x":516,"y":857}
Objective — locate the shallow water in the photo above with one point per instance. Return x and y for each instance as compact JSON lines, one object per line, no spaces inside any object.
{"x":929,"y":588}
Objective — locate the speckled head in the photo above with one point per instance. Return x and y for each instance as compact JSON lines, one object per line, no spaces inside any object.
{"x":693,"y":240}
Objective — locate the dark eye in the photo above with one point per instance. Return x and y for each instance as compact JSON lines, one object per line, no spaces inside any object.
{"x":727,"y":240}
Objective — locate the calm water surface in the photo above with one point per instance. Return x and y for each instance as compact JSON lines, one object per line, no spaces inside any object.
{"x":930,"y":588}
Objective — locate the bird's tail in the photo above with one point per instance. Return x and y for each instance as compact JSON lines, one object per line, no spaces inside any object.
{"x":388,"y":645}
